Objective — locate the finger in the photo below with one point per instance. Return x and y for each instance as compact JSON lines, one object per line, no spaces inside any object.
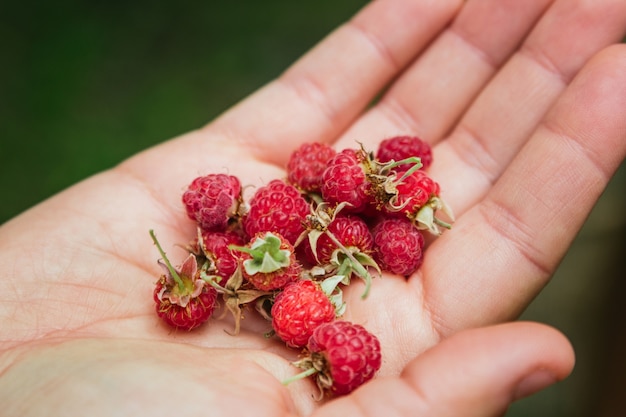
{"x":323,"y":92}
{"x":511,"y":106}
{"x":522,"y":228}
{"x":477,"y":372}
{"x":433,"y":93}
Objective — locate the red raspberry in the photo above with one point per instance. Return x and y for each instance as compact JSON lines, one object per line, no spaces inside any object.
{"x":269,"y":262}
{"x":341,"y":244}
{"x":213,"y":200}
{"x":350,"y":230}
{"x":307,"y":164}
{"x":398,"y":148}
{"x":343,"y":356}
{"x":198,"y":310}
{"x":183,"y":299}
{"x":214,"y":246}
{"x":277,"y":207}
{"x":345,"y":180}
{"x":413,"y":192}
{"x":398,"y":246}
{"x":417,"y":196}
{"x":297,"y":310}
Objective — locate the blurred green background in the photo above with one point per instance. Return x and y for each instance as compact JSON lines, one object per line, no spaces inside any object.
{"x":84,"y":85}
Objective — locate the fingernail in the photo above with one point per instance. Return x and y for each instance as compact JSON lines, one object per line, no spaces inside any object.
{"x":534,"y":382}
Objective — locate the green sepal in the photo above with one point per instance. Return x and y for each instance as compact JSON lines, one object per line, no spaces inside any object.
{"x":314,"y":235}
{"x":356,"y":263}
{"x":425,"y":217}
{"x":267,"y":255}
{"x":330,"y":286}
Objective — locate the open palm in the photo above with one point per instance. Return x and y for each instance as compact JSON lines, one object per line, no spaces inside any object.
{"x":526,"y":132}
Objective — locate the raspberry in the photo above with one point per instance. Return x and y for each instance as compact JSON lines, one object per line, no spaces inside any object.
{"x":344,"y":180}
{"x":214,"y":248}
{"x":183,"y":299}
{"x":350,"y":231}
{"x":398,"y":246}
{"x":213,"y":201}
{"x":342,"y":357}
{"x":277,"y":207}
{"x":269,"y":262}
{"x":307,"y":164}
{"x":298,"y":310}
{"x":398,"y":148}
{"x":341,"y":244}
{"x":416,"y":196}
{"x":413,"y":192}
{"x":355,"y":178}
{"x":186,"y":317}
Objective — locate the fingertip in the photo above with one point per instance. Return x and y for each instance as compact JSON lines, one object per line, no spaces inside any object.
{"x":486,"y":369}
{"x":533,"y":383}
{"x":549,"y":369}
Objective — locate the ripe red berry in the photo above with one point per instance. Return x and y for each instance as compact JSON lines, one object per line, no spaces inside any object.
{"x":413,"y":192}
{"x":398,"y":246}
{"x":350,"y":231}
{"x":416,"y":196}
{"x":183,"y":299}
{"x":397,"y":148}
{"x":298,"y":310}
{"x":214,"y":247}
{"x":184,"y":316}
{"x":340,"y":243}
{"x":269,"y":261}
{"x":307,"y":164}
{"x":277,"y":207}
{"x":345,"y":180}
{"x":213,"y":201}
{"x":343,"y":356}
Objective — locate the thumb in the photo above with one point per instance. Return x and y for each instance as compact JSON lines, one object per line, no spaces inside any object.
{"x":477,"y":372}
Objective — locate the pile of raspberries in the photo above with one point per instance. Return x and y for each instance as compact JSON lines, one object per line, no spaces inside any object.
{"x":289,"y":250}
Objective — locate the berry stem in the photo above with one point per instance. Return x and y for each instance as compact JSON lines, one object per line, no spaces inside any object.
{"x":301,"y":375}
{"x":416,"y":161}
{"x":442,"y":223}
{"x":212,"y":281}
{"x":175,"y":276}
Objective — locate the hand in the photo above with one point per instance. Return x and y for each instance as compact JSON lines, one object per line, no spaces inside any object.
{"x":524,"y":113}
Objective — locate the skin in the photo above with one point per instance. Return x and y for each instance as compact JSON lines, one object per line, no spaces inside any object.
{"x":522,"y":102}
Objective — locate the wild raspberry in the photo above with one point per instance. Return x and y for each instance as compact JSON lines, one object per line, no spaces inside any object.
{"x":397,"y":148}
{"x":345,"y":180}
{"x":413,"y":192}
{"x":350,"y":231}
{"x":183,"y":299}
{"x":416,"y":196}
{"x":213,"y":201}
{"x":269,"y":261}
{"x":307,"y":164}
{"x":213,"y":248}
{"x":298,"y":310}
{"x":342,"y":357}
{"x":340,"y":243}
{"x":355,"y":178}
{"x":277,"y":207}
{"x":398,"y":246}
{"x":195,"y":312}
